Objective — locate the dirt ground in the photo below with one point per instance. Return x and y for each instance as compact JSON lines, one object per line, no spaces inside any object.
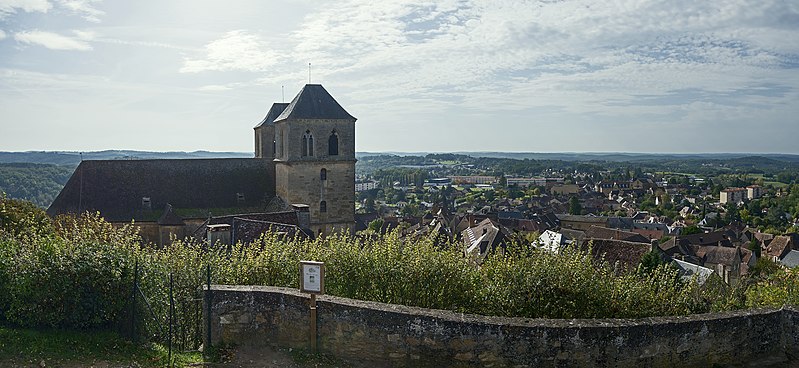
{"x":268,"y":357}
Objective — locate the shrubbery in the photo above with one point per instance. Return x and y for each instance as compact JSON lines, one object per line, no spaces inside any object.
{"x":76,"y":276}
{"x":78,"y":273}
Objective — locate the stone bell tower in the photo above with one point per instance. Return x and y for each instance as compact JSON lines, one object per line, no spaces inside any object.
{"x":314,"y":155}
{"x":265,"y":132}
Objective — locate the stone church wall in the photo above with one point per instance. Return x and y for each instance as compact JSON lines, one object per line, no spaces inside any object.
{"x":380,"y":334}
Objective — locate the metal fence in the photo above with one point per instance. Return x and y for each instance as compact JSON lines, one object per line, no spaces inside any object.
{"x":176,"y":323}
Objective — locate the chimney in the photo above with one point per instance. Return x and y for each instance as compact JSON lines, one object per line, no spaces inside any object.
{"x":218,"y":234}
{"x":303,"y":215}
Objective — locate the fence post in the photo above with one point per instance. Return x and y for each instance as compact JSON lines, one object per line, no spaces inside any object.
{"x":208,"y":298}
{"x":171,"y":319}
{"x":133,"y":301}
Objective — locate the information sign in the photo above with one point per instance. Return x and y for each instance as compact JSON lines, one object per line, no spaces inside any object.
{"x":312,"y":277}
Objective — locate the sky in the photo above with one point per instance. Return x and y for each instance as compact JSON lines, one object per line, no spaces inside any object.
{"x":433,"y":76}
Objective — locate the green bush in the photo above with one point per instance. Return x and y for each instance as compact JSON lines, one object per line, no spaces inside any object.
{"x":79,"y":279}
{"x":776,"y":290}
{"x":77,"y":272}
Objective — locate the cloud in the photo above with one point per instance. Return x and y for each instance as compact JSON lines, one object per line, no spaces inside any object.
{"x":573,"y":55}
{"x":8,"y":7}
{"x":214,"y":88}
{"x":53,"y":41}
{"x":84,"y":8}
{"x":235,"y":51}
{"x":2,"y":34}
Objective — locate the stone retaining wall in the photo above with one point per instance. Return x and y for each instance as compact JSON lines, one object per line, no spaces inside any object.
{"x":395,"y":335}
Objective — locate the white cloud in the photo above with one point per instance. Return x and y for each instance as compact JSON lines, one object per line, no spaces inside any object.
{"x":84,"y":8}
{"x":214,"y":88}
{"x":52,"y":41}
{"x":235,"y":51}
{"x":8,"y":7}
{"x":2,"y":34}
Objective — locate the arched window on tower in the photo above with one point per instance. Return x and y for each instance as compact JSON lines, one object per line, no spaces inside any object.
{"x":323,"y":206}
{"x":307,"y":143}
{"x":332,"y":144}
{"x":323,"y":174}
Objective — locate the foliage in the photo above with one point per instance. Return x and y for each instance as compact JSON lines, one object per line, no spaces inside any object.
{"x":693,"y":229}
{"x":78,"y":273}
{"x":78,"y":280}
{"x":650,"y":262}
{"x":572,"y":284}
{"x":38,"y":183}
{"x":778,"y":289}
{"x":574,"y":206}
{"x":20,"y":218}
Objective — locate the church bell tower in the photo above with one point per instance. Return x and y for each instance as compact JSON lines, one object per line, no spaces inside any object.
{"x":314,"y":156}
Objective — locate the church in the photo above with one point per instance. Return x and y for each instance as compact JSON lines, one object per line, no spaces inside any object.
{"x":301,"y":181}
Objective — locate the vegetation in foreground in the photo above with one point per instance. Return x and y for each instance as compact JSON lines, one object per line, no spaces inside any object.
{"x":77,"y":273}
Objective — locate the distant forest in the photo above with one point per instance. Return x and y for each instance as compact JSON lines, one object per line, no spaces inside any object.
{"x":39,"y":176}
{"x":38,"y":183}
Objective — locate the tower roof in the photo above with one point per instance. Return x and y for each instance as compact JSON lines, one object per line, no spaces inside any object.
{"x":314,"y":102}
{"x":274,"y":111}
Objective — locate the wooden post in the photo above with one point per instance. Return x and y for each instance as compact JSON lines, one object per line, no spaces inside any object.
{"x":313,"y":323}
{"x":312,"y":281}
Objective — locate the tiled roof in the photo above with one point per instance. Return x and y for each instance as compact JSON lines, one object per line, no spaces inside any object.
{"x":600,"y":232}
{"x":248,"y":227}
{"x":791,"y":259}
{"x":626,"y":254}
{"x":118,"y":189}
{"x":781,"y":245}
{"x":723,"y":255}
{"x":274,"y":111}
{"x":314,"y":102}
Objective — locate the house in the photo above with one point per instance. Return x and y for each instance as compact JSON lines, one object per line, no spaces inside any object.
{"x":781,"y":245}
{"x":689,"y":270}
{"x":623,"y":255}
{"x":553,"y":241}
{"x":579,"y":222}
{"x":754,"y":191}
{"x":484,"y":239}
{"x":565,"y":189}
{"x":733,"y":195}
{"x":790,"y":260}
{"x":730,"y":263}
{"x":600,"y":232}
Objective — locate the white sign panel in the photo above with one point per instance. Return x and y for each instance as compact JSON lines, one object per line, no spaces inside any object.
{"x":312,"y":277}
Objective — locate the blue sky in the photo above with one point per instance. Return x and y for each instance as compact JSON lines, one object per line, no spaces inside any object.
{"x":466,"y":75}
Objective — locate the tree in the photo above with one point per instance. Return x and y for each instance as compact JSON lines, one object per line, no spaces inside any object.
{"x":649,"y":262}
{"x":693,"y":229}
{"x":754,"y":246}
{"x":369,"y":205}
{"x":574,"y":206}
{"x":375,"y":225}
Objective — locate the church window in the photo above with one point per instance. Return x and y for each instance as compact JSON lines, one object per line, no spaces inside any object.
{"x":323,"y":206}
{"x":274,"y":147}
{"x":332,"y":144}
{"x":323,"y":174}
{"x":240,"y":198}
{"x":145,"y":203}
{"x":307,"y":143}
